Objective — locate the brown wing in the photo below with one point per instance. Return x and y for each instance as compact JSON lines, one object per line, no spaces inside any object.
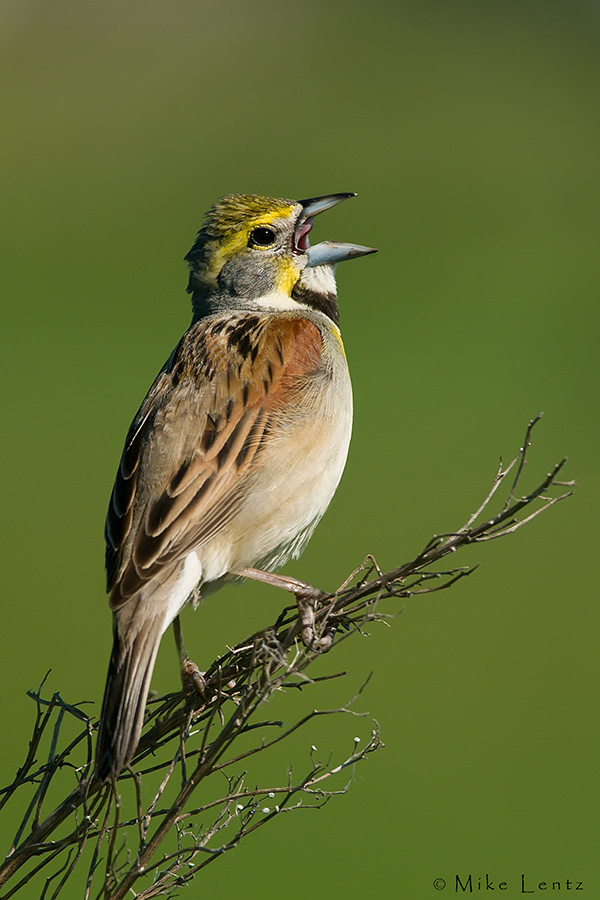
{"x":200,"y":430}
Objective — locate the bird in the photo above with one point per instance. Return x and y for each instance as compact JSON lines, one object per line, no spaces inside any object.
{"x":238,"y":447}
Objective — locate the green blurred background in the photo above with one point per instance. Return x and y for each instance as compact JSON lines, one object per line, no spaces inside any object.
{"x":471,"y":132}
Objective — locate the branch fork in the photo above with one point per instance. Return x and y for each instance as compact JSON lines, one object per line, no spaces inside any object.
{"x":192,"y":734}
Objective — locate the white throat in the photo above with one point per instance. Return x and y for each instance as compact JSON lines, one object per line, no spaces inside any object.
{"x":278,"y":300}
{"x":320,"y":279}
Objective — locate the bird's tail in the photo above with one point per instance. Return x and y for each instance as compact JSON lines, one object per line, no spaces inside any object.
{"x":127,"y":684}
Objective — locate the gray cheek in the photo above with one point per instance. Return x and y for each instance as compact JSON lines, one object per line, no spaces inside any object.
{"x":247,"y":277}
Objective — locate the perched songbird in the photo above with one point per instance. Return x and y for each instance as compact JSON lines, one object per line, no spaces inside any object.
{"x":238,"y":447}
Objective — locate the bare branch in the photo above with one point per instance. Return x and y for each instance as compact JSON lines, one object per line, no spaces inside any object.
{"x":189,"y":738}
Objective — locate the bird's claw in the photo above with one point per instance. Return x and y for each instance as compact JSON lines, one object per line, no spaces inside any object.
{"x":191,"y":676}
{"x":306,"y":601}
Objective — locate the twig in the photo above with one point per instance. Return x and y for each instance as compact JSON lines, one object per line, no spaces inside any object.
{"x":237,"y":685}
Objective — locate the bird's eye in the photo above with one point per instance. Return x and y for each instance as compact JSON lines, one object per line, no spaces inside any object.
{"x":261,"y":236}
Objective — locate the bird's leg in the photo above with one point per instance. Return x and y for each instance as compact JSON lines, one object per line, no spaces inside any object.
{"x":306,"y":596}
{"x":191,"y":676}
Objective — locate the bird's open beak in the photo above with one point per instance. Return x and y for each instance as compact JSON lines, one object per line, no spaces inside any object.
{"x":327,"y":253}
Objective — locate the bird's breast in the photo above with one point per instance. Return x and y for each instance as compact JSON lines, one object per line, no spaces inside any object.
{"x":300,"y":466}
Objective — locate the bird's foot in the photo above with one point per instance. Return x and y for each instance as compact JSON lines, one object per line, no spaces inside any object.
{"x":307,"y":597}
{"x":306,"y":601}
{"x":192,"y":678}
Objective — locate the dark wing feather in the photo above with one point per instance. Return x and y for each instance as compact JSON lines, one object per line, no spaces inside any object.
{"x":120,"y":508}
{"x":198,"y":432}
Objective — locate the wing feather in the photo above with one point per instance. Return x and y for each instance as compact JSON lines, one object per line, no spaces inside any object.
{"x":199,"y":432}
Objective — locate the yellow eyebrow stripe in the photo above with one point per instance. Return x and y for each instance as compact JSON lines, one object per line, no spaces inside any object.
{"x":227,"y":247}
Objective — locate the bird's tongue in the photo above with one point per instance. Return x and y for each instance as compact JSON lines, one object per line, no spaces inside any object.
{"x":302,"y":243}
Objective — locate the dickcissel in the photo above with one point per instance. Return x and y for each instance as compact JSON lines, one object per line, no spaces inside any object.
{"x":235,"y":453}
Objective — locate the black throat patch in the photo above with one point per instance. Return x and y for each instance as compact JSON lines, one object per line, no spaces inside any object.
{"x":325,"y":301}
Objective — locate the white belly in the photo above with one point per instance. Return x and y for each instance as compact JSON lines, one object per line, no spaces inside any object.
{"x":299,"y":471}
{"x":299,"y":474}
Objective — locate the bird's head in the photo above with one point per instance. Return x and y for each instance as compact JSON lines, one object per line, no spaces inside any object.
{"x":254,"y":251}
